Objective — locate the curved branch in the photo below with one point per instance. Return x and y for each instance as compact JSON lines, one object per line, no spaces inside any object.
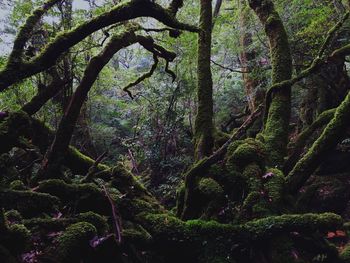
{"x":143,"y":77}
{"x":323,"y":119}
{"x":26,"y":30}
{"x":158,"y":51}
{"x":15,"y":72}
{"x":43,"y":96}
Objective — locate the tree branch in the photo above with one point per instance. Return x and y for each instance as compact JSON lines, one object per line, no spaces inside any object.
{"x":143,"y":77}
{"x":15,"y":72}
{"x":26,"y":30}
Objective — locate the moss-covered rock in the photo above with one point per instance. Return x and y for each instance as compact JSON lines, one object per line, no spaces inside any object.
{"x":28,"y":203}
{"x":220,"y":138}
{"x":209,"y":188}
{"x":242,"y":153}
{"x":73,"y":244}
{"x":98,"y":221}
{"x":136,"y":234}
{"x":48,"y":224}
{"x":13,"y":216}
{"x":17,"y":238}
{"x":84,"y":197}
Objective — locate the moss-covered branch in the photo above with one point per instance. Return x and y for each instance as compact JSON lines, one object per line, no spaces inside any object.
{"x":26,"y":31}
{"x":329,"y":138}
{"x":14,"y":72}
{"x":45,"y":94}
{"x":167,"y":231}
{"x":323,"y":119}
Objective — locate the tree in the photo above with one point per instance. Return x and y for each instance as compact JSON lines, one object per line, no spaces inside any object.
{"x":204,"y":129}
{"x":240,"y":201}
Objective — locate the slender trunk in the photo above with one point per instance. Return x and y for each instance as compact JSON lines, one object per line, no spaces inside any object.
{"x":204,"y":127}
{"x":278,"y":114}
{"x":247,"y":56}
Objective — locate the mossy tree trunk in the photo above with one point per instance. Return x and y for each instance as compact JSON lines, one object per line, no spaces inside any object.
{"x":204,"y":128}
{"x":278,"y":113}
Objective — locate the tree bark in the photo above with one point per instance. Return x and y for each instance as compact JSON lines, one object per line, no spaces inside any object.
{"x":247,"y":56}
{"x":277,"y":124}
{"x":204,"y":128}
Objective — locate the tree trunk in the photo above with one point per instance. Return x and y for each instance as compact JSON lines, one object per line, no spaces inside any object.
{"x":278,"y":114}
{"x":247,"y":56}
{"x":204,"y":128}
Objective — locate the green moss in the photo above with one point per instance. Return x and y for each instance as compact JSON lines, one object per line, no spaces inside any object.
{"x":163,"y":227}
{"x":260,"y":137}
{"x":136,"y":234}
{"x":84,"y":197}
{"x":210,"y":188}
{"x":303,"y":222}
{"x":98,"y":221}
{"x":233,"y":147}
{"x":28,"y":203}
{"x":277,"y":105}
{"x":345,"y":254}
{"x":252,"y":174}
{"x":329,"y":138}
{"x":132,"y":207}
{"x":17,"y":238}
{"x":73,"y":244}
{"x":247,"y":152}
{"x":48,"y":224}
{"x":125,"y":182}
{"x":18,"y":185}
{"x":14,"y":126}
{"x":275,"y":186}
{"x":220,"y":138}
{"x":180,"y":199}
{"x":80,"y":163}
{"x":13,"y":216}
{"x":251,"y":200}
